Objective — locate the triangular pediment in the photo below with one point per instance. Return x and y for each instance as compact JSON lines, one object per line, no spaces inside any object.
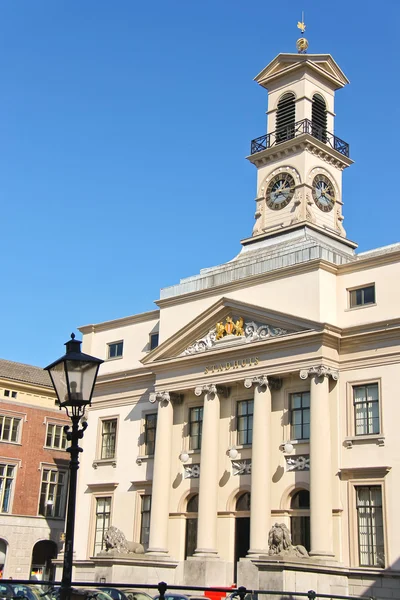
{"x":284,"y":64}
{"x":228,"y":324}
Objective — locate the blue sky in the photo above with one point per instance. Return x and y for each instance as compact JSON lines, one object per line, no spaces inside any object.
{"x":123,"y":131}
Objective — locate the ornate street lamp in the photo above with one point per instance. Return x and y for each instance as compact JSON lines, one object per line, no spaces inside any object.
{"x":73,"y":377}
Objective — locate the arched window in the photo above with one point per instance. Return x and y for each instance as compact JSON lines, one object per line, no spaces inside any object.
{"x":300,"y":518}
{"x":318,"y":117}
{"x":3,"y":554}
{"x":285,"y":118}
{"x":243,"y":502}
{"x":192,"y":508}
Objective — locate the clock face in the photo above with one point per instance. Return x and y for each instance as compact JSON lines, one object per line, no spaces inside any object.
{"x":280,"y":191}
{"x":323,"y":193}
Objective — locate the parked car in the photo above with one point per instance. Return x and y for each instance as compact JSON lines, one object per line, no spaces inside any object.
{"x":20,"y":590}
{"x":89,"y":592}
{"x":125,"y":593}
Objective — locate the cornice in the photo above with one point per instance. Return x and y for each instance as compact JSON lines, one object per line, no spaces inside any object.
{"x":347,"y":473}
{"x":292,"y":340}
{"x":369,"y":262}
{"x":276,"y":233}
{"x":367,"y":362}
{"x":387,"y":326}
{"x":252,"y":280}
{"x":123,"y":322}
{"x":139,"y":374}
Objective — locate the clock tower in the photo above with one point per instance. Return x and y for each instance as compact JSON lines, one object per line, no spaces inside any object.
{"x":300,"y":160}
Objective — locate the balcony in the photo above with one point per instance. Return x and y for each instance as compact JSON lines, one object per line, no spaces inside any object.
{"x":295,"y":130}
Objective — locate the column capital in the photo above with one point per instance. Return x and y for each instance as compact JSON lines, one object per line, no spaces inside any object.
{"x":261,"y":380}
{"x":165,"y":397}
{"x":211,"y":389}
{"x":319,"y":371}
{"x":274,"y":383}
{"x":159,"y":397}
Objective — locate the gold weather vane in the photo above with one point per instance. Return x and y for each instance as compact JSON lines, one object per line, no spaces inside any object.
{"x":302,"y":43}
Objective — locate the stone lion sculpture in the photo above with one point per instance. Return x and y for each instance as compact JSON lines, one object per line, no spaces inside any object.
{"x":280,"y":543}
{"x":116,"y":542}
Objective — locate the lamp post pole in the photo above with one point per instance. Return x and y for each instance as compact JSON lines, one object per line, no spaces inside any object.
{"x":73,"y":377}
{"x":73,"y":435}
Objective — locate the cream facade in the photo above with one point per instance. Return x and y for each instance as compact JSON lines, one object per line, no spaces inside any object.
{"x":260,"y":391}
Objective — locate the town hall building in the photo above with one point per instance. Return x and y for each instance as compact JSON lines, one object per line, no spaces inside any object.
{"x":246,"y":431}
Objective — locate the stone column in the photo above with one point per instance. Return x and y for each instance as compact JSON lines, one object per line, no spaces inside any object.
{"x":158,"y":542}
{"x":260,"y":507}
{"x":320,"y":461}
{"x":208,"y":484}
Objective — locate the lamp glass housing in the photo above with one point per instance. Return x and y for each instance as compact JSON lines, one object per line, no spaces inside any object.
{"x":73,"y":377}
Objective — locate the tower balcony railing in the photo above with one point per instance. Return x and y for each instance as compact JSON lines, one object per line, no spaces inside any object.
{"x":295,"y":130}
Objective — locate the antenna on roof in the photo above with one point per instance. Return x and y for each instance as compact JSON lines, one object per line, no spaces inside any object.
{"x":302,"y":43}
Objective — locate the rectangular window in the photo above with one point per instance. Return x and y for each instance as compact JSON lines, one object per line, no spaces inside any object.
{"x":108,"y":438}
{"x":8,"y":393}
{"x":366,"y":409}
{"x":245,"y":422}
{"x":370,"y":526}
{"x":6,"y":483}
{"x":56,"y":437}
{"x":103,"y":512}
{"x":52,"y":493}
{"x":300,"y":416}
{"x":195,"y":427}
{"x":150,"y":427}
{"x":9,"y":428}
{"x":362,"y":296}
{"x":115,"y":349}
{"x":145,"y":521}
{"x":153,"y":340}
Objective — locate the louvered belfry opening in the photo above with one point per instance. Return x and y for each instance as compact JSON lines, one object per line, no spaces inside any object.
{"x":318,"y":117}
{"x":285,"y":118}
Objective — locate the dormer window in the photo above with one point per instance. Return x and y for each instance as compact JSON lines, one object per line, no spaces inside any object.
{"x":153,"y":340}
{"x":285,"y":118}
{"x":318,"y":118}
{"x":115,"y":350}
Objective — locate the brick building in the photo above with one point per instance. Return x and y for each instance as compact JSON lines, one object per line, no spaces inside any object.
{"x":33,"y":472}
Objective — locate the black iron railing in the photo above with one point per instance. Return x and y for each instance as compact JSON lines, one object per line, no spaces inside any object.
{"x":292,"y":131}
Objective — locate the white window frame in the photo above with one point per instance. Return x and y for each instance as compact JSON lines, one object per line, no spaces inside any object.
{"x":13,"y":415}
{"x":109,"y":344}
{"x":364,"y":477}
{"x":142,"y":447}
{"x":355,"y":289}
{"x":92,"y":537}
{"x":104,"y":420}
{"x":51,"y":467}
{"x":367,"y":438}
{"x":143,"y":489}
{"x":15,"y":464}
{"x":63,"y":436}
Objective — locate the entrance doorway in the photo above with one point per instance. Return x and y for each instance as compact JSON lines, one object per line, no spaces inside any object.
{"x":42,"y":556}
{"x":300,"y":518}
{"x":192,"y":508}
{"x":3,"y":554}
{"x":242,"y":529}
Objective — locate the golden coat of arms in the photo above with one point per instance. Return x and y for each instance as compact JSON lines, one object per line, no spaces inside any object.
{"x":230,"y":327}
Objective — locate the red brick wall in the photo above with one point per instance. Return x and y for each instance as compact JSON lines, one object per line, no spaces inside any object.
{"x":31,"y":453}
